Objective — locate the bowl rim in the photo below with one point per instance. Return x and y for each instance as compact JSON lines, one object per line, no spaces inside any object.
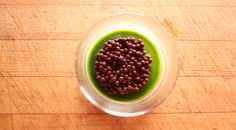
{"x":141,"y":98}
{"x":128,"y":113}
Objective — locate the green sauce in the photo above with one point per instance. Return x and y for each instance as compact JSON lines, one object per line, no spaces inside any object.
{"x":156,"y":66}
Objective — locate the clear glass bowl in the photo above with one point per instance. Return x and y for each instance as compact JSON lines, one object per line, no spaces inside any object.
{"x":161,"y":39}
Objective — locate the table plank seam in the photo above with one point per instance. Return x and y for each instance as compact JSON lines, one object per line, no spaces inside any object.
{"x":141,"y":4}
{"x":77,"y":39}
{"x":10,"y":108}
{"x":19,"y":76}
{"x":170,"y":113}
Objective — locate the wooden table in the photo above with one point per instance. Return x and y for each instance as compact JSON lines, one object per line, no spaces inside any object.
{"x":38,"y":84}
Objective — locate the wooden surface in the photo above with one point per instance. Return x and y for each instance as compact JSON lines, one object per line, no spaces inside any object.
{"x":38,"y":84}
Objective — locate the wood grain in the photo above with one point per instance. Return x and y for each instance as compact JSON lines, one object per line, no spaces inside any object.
{"x":57,"y":58}
{"x":38,"y":58}
{"x":201,"y":94}
{"x":150,"y":121}
{"x":217,"y":58}
{"x":4,"y":98}
{"x":127,"y":2}
{"x":38,"y":84}
{"x":5,"y":122}
{"x":49,"y":22}
{"x":73,"y":122}
{"x":47,"y":95}
{"x":62,"y":95}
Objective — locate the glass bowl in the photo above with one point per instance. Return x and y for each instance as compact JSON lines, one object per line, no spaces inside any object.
{"x":160,"y":38}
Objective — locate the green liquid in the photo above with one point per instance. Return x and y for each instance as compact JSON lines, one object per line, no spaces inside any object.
{"x":156,"y":66}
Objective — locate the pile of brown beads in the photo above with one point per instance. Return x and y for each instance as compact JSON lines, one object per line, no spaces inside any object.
{"x":122,"y":66}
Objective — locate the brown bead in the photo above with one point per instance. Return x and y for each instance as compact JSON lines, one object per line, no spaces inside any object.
{"x":104,"y":70}
{"x":132,"y":59}
{"x":121,"y":70}
{"x":101,"y":68}
{"x":98,"y":77}
{"x":143,"y":69}
{"x":144,"y":83}
{"x":114,"y":63}
{"x":106,"y":77}
{"x":125,"y":70}
{"x":130,"y":87}
{"x":117,"y":72}
{"x":121,"y":79}
{"x":122,"y":66}
{"x":124,"y":82}
{"x":140,"y":85}
{"x":130,"y":53}
{"x":138,"y":46}
{"x":109,"y":72}
{"x":128,"y":56}
{"x":131,"y":63}
{"x":143,"y":62}
{"x":133,"y":67}
{"x":114,"y":79}
{"x":145,"y":75}
{"x":128,"y":66}
{"x":130,"y":74}
{"x":97,"y":73}
{"x":110,"y":81}
{"x":139,"y":64}
{"x":119,"y":88}
{"x":118,"y":48}
{"x":128,"y":83}
{"x":116,"y":57}
{"x":129,"y":78}
{"x":117,"y":83}
{"x":141,"y":45}
{"x":138,"y":78}
{"x":109,"y":45}
{"x":139,"y":41}
{"x":103,"y":79}
{"x":111,"y":75}
{"x":109,"y":68}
